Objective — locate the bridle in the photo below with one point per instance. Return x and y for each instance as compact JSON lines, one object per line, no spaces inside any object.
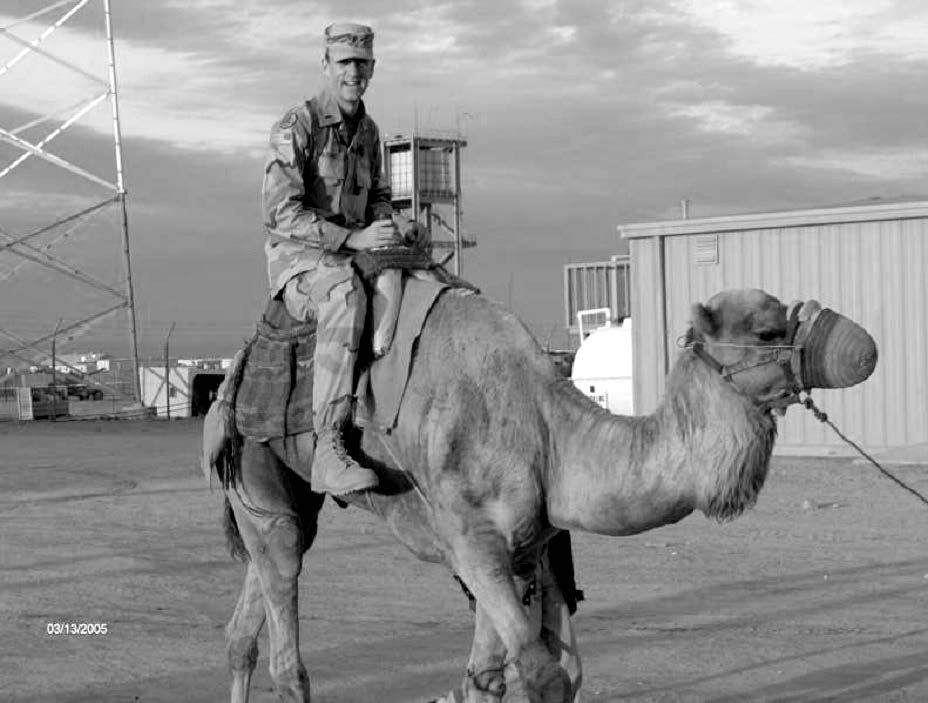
{"x":787,"y":356}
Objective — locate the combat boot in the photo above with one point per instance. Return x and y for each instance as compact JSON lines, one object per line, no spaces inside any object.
{"x":334,"y":471}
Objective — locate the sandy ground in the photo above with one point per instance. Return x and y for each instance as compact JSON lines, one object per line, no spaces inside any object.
{"x":819,"y":594}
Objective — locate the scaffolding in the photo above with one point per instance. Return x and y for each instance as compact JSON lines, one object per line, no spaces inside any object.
{"x":38,"y":245}
{"x":424,"y":173}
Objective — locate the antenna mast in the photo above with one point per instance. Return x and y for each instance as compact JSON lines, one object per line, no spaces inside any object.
{"x":36,"y":246}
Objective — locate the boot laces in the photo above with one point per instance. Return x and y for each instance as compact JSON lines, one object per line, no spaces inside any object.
{"x":338,"y":446}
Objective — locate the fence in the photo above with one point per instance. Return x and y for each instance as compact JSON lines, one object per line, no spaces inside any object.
{"x":33,"y":403}
{"x":599,"y":284}
{"x":108,"y":392}
{"x":10,"y":403}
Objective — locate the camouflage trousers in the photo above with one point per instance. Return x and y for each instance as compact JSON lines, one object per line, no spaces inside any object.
{"x":333,"y":294}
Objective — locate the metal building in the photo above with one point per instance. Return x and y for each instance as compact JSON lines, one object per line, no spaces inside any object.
{"x":189,"y":392}
{"x":868,"y":262}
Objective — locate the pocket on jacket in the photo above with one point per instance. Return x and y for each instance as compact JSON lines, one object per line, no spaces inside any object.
{"x":332,"y":167}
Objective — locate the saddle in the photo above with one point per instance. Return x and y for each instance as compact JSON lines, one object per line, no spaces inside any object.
{"x":384,"y":268}
{"x":273,"y":385}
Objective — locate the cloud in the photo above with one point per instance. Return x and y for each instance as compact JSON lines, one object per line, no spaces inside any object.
{"x":812,"y":35}
{"x":884,"y":164}
{"x":18,"y":204}
{"x":755,"y":122}
{"x":579,"y":115}
{"x":173,"y":96}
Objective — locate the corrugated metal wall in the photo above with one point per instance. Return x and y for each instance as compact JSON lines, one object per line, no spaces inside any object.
{"x":875,"y":272}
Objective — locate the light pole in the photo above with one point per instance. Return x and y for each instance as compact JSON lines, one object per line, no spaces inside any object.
{"x":167,"y":374}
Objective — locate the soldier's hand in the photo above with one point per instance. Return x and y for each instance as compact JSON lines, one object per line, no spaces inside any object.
{"x":381,"y":233}
{"x":416,"y":235}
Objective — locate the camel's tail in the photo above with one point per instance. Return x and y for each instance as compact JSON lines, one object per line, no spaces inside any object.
{"x":222,"y":453}
{"x":222,"y":445}
{"x":233,"y":536}
{"x":213,"y":442}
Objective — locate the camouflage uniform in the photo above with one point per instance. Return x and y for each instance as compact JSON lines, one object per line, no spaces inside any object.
{"x":319,"y":185}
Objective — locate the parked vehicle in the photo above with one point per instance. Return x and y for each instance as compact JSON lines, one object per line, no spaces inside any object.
{"x":82,"y":391}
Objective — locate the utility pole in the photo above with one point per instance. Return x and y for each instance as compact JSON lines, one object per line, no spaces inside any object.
{"x":167,"y":374}
{"x":55,"y":371}
{"x":458,"y":241}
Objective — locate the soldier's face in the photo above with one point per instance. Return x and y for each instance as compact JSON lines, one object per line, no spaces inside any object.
{"x":347,"y":80}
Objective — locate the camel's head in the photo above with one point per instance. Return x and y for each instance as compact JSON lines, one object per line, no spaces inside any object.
{"x":771,"y":351}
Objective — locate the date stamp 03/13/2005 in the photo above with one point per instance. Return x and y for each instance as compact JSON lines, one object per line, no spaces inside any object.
{"x":76,"y":628}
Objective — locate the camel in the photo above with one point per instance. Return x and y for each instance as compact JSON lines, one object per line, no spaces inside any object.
{"x":494,"y":453}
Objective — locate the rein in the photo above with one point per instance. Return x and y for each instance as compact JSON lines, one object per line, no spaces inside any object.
{"x":823,"y":418}
{"x":372,"y":262}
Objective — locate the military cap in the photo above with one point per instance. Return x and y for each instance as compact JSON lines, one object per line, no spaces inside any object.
{"x":349,"y":41}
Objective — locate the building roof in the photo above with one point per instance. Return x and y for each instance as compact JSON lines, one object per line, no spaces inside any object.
{"x":872,"y":211}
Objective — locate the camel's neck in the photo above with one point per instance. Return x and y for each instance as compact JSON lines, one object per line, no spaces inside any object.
{"x":706,"y":447}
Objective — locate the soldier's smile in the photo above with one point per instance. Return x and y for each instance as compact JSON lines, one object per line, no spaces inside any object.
{"x":348,"y":79}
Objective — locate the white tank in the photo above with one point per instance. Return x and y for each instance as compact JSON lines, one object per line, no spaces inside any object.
{"x":603,"y":367}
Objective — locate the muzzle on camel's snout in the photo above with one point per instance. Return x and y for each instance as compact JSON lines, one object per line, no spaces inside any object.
{"x":835,"y":352}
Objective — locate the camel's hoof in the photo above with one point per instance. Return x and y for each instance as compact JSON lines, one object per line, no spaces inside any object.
{"x":487,"y":686}
{"x":543,"y":678}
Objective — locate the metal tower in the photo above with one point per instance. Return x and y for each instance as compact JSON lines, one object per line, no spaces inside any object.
{"x":31,"y":141}
{"x":424,"y":172}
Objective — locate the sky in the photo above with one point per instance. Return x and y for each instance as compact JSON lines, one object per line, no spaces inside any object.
{"x":579,"y":115}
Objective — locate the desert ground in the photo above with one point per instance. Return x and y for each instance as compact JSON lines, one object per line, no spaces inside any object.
{"x":818,"y":594}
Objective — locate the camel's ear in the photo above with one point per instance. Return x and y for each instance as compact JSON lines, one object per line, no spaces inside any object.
{"x":704,"y":321}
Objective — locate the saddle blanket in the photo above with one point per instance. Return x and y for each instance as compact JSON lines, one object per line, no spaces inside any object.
{"x":274,"y":396}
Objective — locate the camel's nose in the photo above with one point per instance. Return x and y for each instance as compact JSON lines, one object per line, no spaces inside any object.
{"x":838,"y":353}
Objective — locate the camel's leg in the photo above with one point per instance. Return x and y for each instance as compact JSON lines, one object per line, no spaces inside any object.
{"x":484,"y":565}
{"x":557,"y":630}
{"x":242,"y":635}
{"x":274,"y":547}
{"x":485,"y":681}
{"x":267,"y":517}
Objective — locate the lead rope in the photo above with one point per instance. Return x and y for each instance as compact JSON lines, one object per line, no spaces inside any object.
{"x":821,"y":416}
{"x":412,"y":479}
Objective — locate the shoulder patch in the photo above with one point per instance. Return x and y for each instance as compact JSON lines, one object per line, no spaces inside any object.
{"x":288,"y":120}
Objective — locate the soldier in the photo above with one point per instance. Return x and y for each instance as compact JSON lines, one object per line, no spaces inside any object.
{"x":324,"y":198}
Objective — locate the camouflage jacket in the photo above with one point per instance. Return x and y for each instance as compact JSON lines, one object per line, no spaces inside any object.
{"x":318,"y":186}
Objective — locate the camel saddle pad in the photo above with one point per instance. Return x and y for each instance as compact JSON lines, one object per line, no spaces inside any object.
{"x":275,"y":395}
{"x":381,"y":388}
